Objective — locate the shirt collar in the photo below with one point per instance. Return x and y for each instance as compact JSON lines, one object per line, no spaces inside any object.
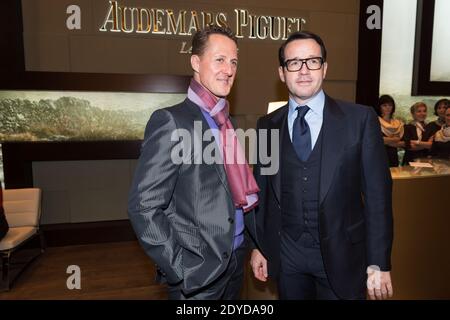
{"x":316,"y":104}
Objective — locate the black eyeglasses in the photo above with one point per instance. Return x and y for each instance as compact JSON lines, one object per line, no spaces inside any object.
{"x":314,"y":63}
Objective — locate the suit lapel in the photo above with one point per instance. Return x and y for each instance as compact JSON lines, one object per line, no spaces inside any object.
{"x":197,"y":115}
{"x":332,"y":144}
{"x":279,"y":122}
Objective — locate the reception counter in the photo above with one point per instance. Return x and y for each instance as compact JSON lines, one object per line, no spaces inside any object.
{"x":421,"y":249}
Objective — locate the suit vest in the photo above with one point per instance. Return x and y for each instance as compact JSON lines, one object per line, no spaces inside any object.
{"x":300,"y":189}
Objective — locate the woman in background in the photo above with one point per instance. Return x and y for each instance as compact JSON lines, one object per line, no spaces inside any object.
{"x":441,"y":144}
{"x":392,"y":129}
{"x":439,"y":110}
{"x":418,"y":141}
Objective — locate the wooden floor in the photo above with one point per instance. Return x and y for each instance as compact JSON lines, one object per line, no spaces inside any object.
{"x":118,"y":270}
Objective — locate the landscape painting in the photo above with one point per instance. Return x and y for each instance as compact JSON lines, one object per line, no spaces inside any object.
{"x":63,"y":116}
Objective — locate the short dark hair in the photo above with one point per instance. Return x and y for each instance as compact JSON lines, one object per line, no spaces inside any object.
{"x":301,"y":35}
{"x":201,"y":37}
{"x":384,"y":99}
{"x":436,"y":105}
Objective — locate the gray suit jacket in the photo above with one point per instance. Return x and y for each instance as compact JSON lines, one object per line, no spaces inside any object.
{"x":183,"y":214}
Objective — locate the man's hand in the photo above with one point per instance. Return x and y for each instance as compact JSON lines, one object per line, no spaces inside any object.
{"x":379,"y":284}
{"x":259,"y":265}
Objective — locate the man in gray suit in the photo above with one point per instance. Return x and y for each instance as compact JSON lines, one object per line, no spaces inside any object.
{"x":189,"y":215}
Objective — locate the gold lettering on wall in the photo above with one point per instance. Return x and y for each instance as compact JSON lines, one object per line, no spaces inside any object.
{"x":128,"y":20}
{"x":145,"y":25}
{"x":176,"y":25}
{"x":262,"y":28}
{"x":275,"y":24}
{"x":111,"y":18}
{"x":158,"y":22}
{"x":194,"y":24}
{"x":222,"y":20}
{"x":265,"y":27}
{"x":185,"y":23}
{"x":207,"y":18}
{"x":185,"y":48}
{"x":241,"y":22}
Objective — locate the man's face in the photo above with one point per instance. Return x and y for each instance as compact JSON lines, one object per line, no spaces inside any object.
{"x":303,"y":84}
{"x":216,"y":68}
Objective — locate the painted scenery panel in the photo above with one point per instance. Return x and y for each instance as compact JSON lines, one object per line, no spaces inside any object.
{"x":77,"y":116}
{"x":81,"y":116}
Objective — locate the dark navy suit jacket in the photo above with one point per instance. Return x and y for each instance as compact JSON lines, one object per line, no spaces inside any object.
{"x":355,"y":212}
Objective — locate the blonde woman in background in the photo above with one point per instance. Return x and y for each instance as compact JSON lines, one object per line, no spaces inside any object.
{"x":418,"y":140}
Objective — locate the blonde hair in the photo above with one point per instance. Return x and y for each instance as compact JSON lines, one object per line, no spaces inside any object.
{"x":416,"y":107}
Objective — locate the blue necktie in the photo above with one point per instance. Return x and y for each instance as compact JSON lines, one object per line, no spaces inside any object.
{"x":301,"y":135}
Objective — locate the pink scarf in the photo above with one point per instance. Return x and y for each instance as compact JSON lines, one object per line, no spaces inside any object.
{"x":240,"y":178}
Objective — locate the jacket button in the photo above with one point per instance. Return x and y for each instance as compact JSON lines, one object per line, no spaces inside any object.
{"x":225,"y":255}
{"x":230,"y":220}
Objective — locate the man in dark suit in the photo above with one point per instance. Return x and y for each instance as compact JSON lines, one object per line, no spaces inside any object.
{"x":325,"y":220}
{"x":188,"y":212}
